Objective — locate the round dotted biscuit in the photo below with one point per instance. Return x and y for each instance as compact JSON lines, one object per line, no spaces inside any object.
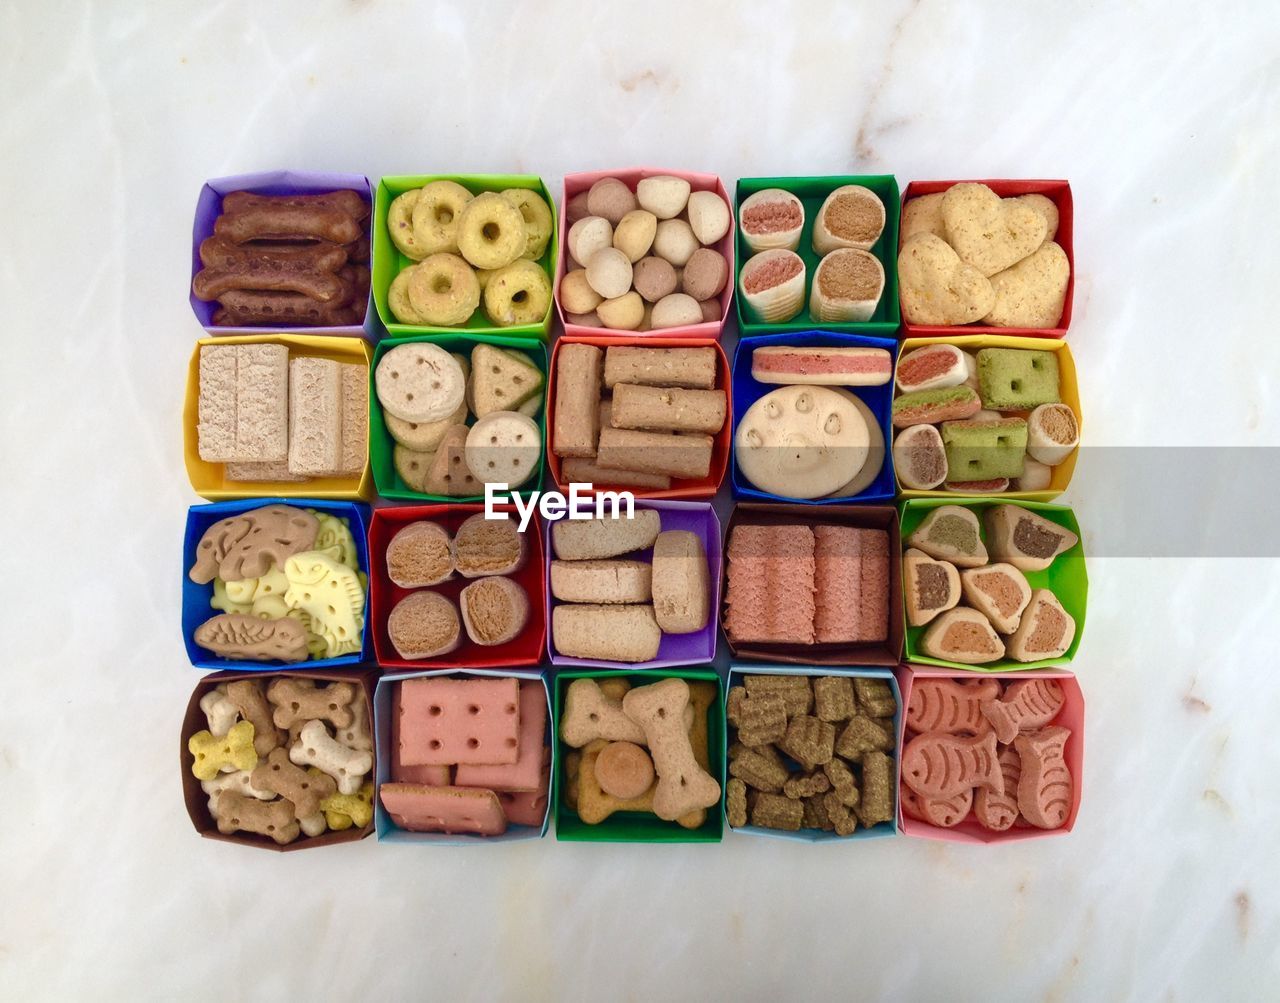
{"x":419,"y":382}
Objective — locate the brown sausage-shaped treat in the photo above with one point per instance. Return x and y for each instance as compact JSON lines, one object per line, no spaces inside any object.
{"x":213,"y":283}
{"x":343,"y":200}
{"x":242,"y":308}
{"x":667,"y":409}
{"x":317,"y":256}
{"x":690,"y":368}
{"x":655,"y":452}
{"x":288,"y":223}
{"x":578,"y":372}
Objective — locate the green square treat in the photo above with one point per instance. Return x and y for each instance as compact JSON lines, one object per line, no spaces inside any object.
{"x":1017,"y":379}
{"x":985,"y":450}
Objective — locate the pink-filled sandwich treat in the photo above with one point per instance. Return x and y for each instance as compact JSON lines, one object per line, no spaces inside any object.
{"x":797,"y":364}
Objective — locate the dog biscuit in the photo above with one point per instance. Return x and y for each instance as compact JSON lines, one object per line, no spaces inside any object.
{"x":447,"y":721}
{"x":316,"y":748}
{"x":1045,"y":785}
{"x":526,"y":772}
{"x":937,"y":765}
{"x":735,"y":800}
{"x":1026,"y":705}
{"x":806,"y":786}
{"x":589,"y":714}
{"x":844,"y":786}
{"x":875,"y":805}
{"x":809,"y":741}
{"x":796,"y":692}
{"x":759,"y":771}
{"x":683,"y":786}
{"x":593,"y":804}
{"x":953,"y":706}
{"x":248,"y":545}
{"x":449,"y":810}
{"x":774,"y":811}
{"x":761,"y":719}
{"x":233,"y":751}
{"x":579,"y":371}
{"x":302,"y":700}
{"x":219,"y":711}
{"x":246,"y":694}
{"x":342,"y":811}
{"x":301,"y":788}
{"x":332,"y":595}
{"x":273,"y":819}
{"x":235,"y":635}
{"x":833,"y":698}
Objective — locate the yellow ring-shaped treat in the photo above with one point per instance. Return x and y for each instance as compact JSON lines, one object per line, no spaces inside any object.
{"x":398,"y":300}
{"x":537,"y":220}
{"x":491,"y":231}
{"x":400,"y":225}
{"x":444,"y":290}
{"x":435,"y":217}
{"x":520,"y":293}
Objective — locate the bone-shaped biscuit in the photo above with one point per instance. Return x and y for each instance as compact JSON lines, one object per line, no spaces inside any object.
{"x":241,"y":781}
{"x":234,"y":749}
{"x":287,"y":222}
{"x":342,"y":811}
{"x":274,"y":819}
{"x":302,"y":700}
{"x":293,"y":783}
{"x":344,"y":199}
{"x":357,"y":735}
{"x":246,"y":694}
{"x":315,"y":747}
{"x":589,"y":714}
{"x":219,"y":711}
{"x":683,"y":786}
{"x":332,"y":595}
{"x":247,"y":545}
{"x":235,"y":635}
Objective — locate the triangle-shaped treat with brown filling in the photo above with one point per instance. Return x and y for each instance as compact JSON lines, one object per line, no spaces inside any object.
{"x":962,"y":635}
{"x":1024,"y":539}
{"x":1046,"y":630}
{"x":931,"y":586}
{"x":951,"y":533}
{"x":1000,"y":591}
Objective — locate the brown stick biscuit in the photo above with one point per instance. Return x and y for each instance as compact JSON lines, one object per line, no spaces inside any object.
{"x":579,"y":370}
{"x":585,"y":471}
{"x":241,"y":308}
{"x":279,"y":222}
{"x":665,"y":409}
{"x":673,"y":454}
{"x":211,"y":283}
{"x":219,"y":252}
{"x":690,"y":368}
{"x":344,"y":200}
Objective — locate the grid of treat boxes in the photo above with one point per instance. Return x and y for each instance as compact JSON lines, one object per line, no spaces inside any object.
{"x":896,"y":592}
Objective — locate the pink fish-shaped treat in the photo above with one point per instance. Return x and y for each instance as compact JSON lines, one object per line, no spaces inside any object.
{"x":1046,"y":787}
{"x":936,"y":765}
{"x":950,"y":705}
{"x":1025,"y":706}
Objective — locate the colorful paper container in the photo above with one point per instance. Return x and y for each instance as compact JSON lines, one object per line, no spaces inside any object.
{"x":575,"y":183}
{"x":736,"y":672}
{"x":1066,"y":578}
{"x":747,"y":390}
{"x":674,"y":649}
{"x":526,"y":649}
{"x":1068,"y":391}
{"x":209,"y":208}
{"x":703,"y":487}
{"x":195,"y":598}
{"x":882,"y":654}
{"x":382,"y":446}
{"x":388,"y":831}
{"x":197,"y":800}
{"x":970,"y":831}
{"x":639,"y":827}
{"x":388,"y":261}
{"x":812,"y":191}
{"x":209,"y":479}
{"x":1060,"y":193}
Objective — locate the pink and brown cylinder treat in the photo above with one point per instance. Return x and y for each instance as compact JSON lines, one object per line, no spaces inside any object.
{"x":772,"y":218}
{"x":846,"y":367}
{"x":772,"y":285}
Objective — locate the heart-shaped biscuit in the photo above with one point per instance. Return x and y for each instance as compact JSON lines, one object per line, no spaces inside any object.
{"x":988,"y":232}
{"x":937,"y":287}
{"x":1032,"y":292}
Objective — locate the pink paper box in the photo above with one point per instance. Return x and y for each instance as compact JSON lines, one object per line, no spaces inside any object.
{"x":575,"y":183}
{"x":970,"y":830}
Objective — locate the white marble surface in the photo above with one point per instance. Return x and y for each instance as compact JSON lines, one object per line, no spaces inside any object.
{"x":1163,"y":115}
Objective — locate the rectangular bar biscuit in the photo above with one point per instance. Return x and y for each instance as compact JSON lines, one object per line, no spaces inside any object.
{"x":667,"y":409}
{"x":655,"y":452}
{"x":262,"y":403}
{"x":355,"y":420}
{"x":577,"y":403}
{"x":690,"y":368}
{"x":315,"y":416}
{"x":216,"y":421}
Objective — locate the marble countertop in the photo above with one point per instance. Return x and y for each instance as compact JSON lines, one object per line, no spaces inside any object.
{"x":1164,"y":118}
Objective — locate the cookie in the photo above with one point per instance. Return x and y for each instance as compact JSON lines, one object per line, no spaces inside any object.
{"x":1052,"y":433}
{"x":413,"y":466}
{"x":934,"y":367}
{"x":951,"y":706}
{"x":237,"y":636}
{"x":930,"y":587}
{"x":988,"y":232}
{"x":816,"y":366}
{"x":851,"y":580}
{"x":687,"y":368}
{"x":705,"y":275}
{"x":592,"y":539}
{"x":1032,"y":292}
{"x":494,"y":610}
{"x":248,"y":545}
{"x":1028,"y":541}
{"x":851,"y":216}
{"x":962,"y":635}
{"x":668,"y":409}
{"x":624,"y":770}
{"x":709,"y":216}
{"x":801,"y":442}
{"x":488,"y":547}
{"x":446,"y":720}
{"x":999,"y":812}
{"x":503,"y":448}
{"x":579,"y":373}
{"x":772,"y":218}
{"x":772,"y":284}
{"x":591,"y":714}
{"x":938,"y":765}
{"x":770,"y":593}
{"x":1000,"y":592}
{"x":847,"y":285}
{"x":920,"y":458}
{"x":951,"y":533}
{"x":621,"y":633}
{"x":921,"y":407}
{"x":922,"y":214}
{"x":1016,"y":379}
{"x":424,"y":625}
{"x":450,"y":810}
{"x":663,"y":195}
{"x":502,"y":380}
{"x":419,"y":382}
{"x":675,"y":310}
{"x":527,"y":772}
{"x":683,"y":785}
{"x":602,"y":581}
{"x":1026,"y":705}
{"x":1046,"y":629}
{"x":420,"y":555}
{"x":937,"y":287}
{"x":984,"y":450}
{"x":681,"y":582}
{"x":1045,"y":784}
{"x":448,"y":472}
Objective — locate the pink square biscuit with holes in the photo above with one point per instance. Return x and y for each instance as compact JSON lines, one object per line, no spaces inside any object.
{"x":529,"y":807}
{"x":402,"y":772}
{"x":443,"y":809}
{"x":524,"y":773}
{"x":447,"y":721}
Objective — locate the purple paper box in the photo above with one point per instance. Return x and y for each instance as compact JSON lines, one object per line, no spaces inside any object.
{"x":676,"y":649}
{"x":209,"y":207}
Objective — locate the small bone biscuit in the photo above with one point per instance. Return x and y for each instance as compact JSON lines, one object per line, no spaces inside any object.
{"x":774,"y":811}
{"x":241,"y":781}
{"x":843,"y":820}
{"x":843,"y":784}
{"x":342,"y":811}
{"x":863,"y":735}
{"x":688,"y":368}
{"x":759,"y":770}
{"x":683,"y":785}
{"x":876,"y":803}
{"x":443,"y":809}
{"x":240,"y":636}
{"x":590,"y":715}
{"x":274,"y":819}
{"x":809,"y":741}
{"x":579,"y":370}
{"x":358,"y":734}
{"x":219,"y":711}
{"x":315,"y":747}
{"x":446,"y":721}
{"x":315,"y":416}
{"x":806,"y":786}
{"x":667,"y":409}
{"x":795,"y":691}
{"x":314,"y":825}
{"x":735,"y":801}
{"x":343,"y":199}
{"x":233,"y":751}
{"x":246,"y":694}
{"x":674,"y":454}
{"x":247,"y":545}
{"x":288,"y":222}
{"x":301,"y":700}
{"x":305,"y":790}
{"x":833,"y":698}
{"x":762,"y":719}
{"x":875,"y":696}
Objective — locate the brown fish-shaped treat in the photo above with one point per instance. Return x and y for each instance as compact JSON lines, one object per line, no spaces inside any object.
{"x":953,"y":706}
{"x":995,"y":811}
{"x":938,"y":765}
{"x":1046,"y":787}
{"x":1025,"y":706}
